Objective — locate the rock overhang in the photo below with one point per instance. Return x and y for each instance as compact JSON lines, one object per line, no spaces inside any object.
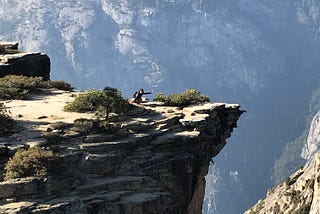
{"x":165,"y":152}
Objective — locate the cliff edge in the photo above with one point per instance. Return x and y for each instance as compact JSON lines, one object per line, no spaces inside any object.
{"x":153,"y":160}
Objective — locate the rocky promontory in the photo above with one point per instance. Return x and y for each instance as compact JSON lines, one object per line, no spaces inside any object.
{"x":14,"y":61}
{"x":152,"y":160}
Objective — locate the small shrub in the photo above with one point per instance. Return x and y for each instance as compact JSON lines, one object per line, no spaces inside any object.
{"x":57,"y":84}
{"x":102,"y":102}
{"x":188,"y":97}
{"x":84,"y":126}
{"x":113,"y":103}
{"x":160,"y":97}
{"x":60,"y":125}
{"x":6,"y":123}
{"x":21,"y":81}
{"x":89,"y":101}
{"x":13,"y":93}
{"x":53,"y":137}
{"x":19,"y":87}
{"x":32,"y":162}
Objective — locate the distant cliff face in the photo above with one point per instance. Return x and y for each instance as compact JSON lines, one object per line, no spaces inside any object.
{"x":300,"y":193}
{"x":152,"y":161}
{"x":157,"y":41}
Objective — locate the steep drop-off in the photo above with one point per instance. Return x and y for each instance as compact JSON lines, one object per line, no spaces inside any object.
{"x":151,"y":161}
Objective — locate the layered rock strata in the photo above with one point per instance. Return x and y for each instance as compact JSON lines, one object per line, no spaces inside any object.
{"x":13,"y":61}
{"x":154,"y":161}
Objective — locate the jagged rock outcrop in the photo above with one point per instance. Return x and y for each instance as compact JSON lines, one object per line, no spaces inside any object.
{"x":151,"y":161}
{"x":313,"y":140}
{"x":13,"y":61}
{"x":300,"y":193}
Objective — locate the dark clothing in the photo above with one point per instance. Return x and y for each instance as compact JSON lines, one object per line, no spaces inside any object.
{"x":137,"y":96}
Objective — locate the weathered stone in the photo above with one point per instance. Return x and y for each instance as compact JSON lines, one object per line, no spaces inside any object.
{"x":21,"y":187}
{"x":136,"y":126}
{"x":3,"y":150}
{"x":38,"y":186}
{"x":60,"y":184}
{"x":99,"y":164}
{"x":99,"y":138}
{"x":26,"y":64}
{"x":23,"y":63}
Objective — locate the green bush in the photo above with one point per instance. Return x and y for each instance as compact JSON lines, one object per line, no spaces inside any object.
{"x":160,"y":97}
{"x":84,"y":125}
{"x":188,"y":97}
{"x":6,"y":122}
{"x":32,"y":162}
{"x":59,"y":125}
{"x":53,"y":137}
{"x":86,"y":102}
{"x":102,"y":102}
{"x":19,"y":87}
{"x":57,"y":84}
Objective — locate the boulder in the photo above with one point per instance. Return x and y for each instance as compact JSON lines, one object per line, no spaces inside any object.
{"x":23,"y":63}
{"x":8,"y":45}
